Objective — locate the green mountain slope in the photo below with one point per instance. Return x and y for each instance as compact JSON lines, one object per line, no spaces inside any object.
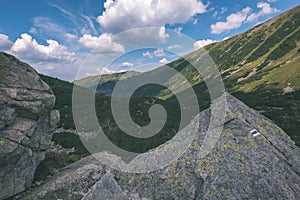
{"x":265,"y":57}
{"x":260,"y":67}
{"x":104,"y":83}
{"x":68,"y":138}
{"x":263,"y":69}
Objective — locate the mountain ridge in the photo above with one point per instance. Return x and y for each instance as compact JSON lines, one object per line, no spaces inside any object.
{"x":239,"y":165}
{"x":261,"y":62}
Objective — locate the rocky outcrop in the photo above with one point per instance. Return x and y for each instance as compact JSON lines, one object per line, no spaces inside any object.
{"x":26,"y":123}
{"x":240,"y":166}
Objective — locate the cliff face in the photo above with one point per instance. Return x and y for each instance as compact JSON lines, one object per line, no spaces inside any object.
{"x":26,"y":123}
{"x":240,"y":166}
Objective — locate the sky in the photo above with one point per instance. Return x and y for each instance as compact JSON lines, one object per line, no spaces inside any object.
{"x":57,"y":37}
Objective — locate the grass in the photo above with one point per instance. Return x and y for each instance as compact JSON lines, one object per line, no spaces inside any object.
{"x":273,"y":49}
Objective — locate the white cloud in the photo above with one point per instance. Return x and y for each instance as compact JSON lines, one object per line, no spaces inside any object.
{"x":156,"y":53}
{"x":233,"y":21}
{"x":202,"y":43}
{"x":266,"y":9}
{"x":127,"y":64}
{"x":108,"y":3}
{"x":215,"y":14}
{"x":99,"y":71}
{"x":147,"y":36}
{"x":159,"y":53}
{"x":223,"y":10}
{"x":77,"y":18}
{"x":103,"y":44}
{"x":271,"y":1}
{"x":178,"y":29}
{"x":89,"y":24}
{"x":85,"y":31}
{"x":175,"y":46}
{"x":236,"y":20}
{"x":163,"y":61}
{"x":123,"y":15}
{"x":33,"y":30}
{"x":29,"y":49}
{"x":5,"y":43}
{"x":71,"y":36}
{"x":105,"y":70}
{"x":47,"y":27}
{"x":148,"y":54}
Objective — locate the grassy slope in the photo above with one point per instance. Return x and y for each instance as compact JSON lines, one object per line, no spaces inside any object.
{"x":106,"y":82}
{"x":272,"y":48}
{"x":139,"y":113}
{"x":256,"y":67}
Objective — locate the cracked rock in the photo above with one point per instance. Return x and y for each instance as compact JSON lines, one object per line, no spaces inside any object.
{"x":26,"y":123}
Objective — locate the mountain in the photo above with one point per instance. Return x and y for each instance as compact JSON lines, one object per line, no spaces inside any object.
{"x":263,"y":58}
{"x":240,"y":166}
{"x":103,"y":84}
{"x":260,"y":67}
{"x":252,"y":158}
{"x":269,"y":99}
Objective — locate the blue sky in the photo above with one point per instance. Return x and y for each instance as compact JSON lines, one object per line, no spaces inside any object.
{"x":55,"y":37}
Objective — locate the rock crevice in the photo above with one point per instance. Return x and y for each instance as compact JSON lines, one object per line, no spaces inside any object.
{"x":26,"y":123}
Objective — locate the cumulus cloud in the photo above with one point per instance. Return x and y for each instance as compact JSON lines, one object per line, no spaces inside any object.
{"x":5,"y":43}
{"x":174,"y":46}
{"x":202,"y":43}
{"x":156,"y":53}
{"x":103,"y":44}
{"x":122,"y":15}
{"x":148,"y":54}
{"x":99,"y":71}
{"x":266,"y":9}
{"x":236,"y":20}
{"x":127,"y":64}
{"x":105,"y":70}
{"x":233,"y":21}
{"x":163,"y":61}
{"x":159,"y":53}
{"x":29,"y":49}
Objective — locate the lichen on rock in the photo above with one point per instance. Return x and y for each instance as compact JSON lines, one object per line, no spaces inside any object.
{"x":26,"y":123}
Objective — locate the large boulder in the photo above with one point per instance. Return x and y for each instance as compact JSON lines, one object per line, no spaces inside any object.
{"x":26,"y":123}
{"x":240,"y":166}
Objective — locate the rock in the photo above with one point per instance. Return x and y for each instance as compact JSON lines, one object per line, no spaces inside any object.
{"x":239,"y":166}
{"x":245,"y":167}
{"x":54,"y":118}
{"x":106,"y":188}
{"x":26,"y":123}
{"x":74,"y":182}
